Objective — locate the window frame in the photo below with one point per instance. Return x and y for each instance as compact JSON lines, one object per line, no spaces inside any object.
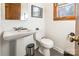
{"x":55,"y":5}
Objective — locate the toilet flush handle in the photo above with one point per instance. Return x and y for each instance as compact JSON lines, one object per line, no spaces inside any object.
{"x":37,"y":29}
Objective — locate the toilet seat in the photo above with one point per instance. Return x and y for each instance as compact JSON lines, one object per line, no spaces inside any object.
{"x":47,"y":43}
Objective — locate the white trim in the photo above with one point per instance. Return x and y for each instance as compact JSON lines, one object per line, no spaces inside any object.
{"x":59,"y":49}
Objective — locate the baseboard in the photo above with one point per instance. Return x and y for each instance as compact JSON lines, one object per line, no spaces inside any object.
{"x":59,"y":50}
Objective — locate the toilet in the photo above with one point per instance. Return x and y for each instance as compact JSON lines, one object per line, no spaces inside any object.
{"x":44,"y":44}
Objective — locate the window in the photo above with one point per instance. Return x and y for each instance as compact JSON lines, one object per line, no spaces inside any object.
{"x":64,"y":11}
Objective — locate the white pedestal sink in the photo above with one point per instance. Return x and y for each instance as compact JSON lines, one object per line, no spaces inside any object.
{"x":12,"y":36}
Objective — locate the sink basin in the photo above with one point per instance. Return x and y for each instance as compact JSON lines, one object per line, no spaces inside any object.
{"x":14,"y":35}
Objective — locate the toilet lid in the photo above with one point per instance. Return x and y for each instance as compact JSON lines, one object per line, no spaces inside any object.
{"x":46,"y":41}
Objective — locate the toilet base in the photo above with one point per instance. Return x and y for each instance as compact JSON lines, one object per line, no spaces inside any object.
{"x":44,"y":51}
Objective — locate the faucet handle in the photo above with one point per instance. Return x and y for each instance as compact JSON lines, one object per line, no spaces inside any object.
{"x":14,"y":28}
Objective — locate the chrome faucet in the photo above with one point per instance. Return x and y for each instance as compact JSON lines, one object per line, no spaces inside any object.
{"x":19,"y":28}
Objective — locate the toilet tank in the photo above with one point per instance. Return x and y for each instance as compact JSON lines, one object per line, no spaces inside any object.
{"x":39,"y":34}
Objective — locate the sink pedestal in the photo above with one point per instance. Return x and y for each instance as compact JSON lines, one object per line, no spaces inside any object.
{"x":13,"y":36}
{"x":12,"y":49}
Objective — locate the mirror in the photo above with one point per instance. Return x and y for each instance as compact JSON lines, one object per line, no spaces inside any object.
{"x":15,"y":11}
{"x":36,"y":11}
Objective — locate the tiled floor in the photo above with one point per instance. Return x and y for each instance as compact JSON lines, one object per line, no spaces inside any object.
{"x":52,"y":53}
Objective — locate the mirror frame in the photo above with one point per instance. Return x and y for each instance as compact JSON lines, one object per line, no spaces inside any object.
{"x":39,"y":14}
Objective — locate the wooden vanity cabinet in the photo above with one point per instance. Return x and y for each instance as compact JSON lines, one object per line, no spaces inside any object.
{"x":12,"y":11}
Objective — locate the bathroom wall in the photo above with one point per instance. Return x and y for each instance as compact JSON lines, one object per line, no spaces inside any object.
{"x":0,"y":29}
{"x":58,"y":31}
{"x":30,"y":23}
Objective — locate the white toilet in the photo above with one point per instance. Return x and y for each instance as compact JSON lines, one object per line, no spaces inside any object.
{"x":43,"y":43}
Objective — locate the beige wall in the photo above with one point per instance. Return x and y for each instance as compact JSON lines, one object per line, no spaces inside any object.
{"x":58,"y":30}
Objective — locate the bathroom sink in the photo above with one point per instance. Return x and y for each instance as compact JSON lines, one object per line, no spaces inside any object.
{"x":14,"y":35}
